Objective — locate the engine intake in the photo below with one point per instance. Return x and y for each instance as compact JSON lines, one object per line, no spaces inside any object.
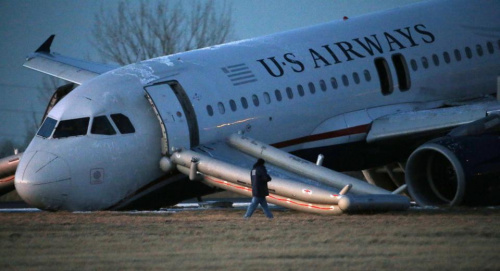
{"x":451,"y":171}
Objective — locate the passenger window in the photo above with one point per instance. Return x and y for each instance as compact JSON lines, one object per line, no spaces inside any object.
{"x":277,"y":93}
{"x":47,"y":127}
{"x":479,"y":50}
{"x":489,"y":45}
{"x":74,"y":127}
{"x":355,"y":77}
{"x":368,"y":76}
{"x":435,"y":59}
{"x":345,"y":80}
{"x":123,"y":123}
{"x":210,"y":110}
{"x":312,"y":88}
{"x":322,"y":85}
{"x":232,"y":104}
{"x":413,"y":64}
{"x":425,"y":63}
{"x":333,"y":81}
{"x":221,"y":107}
{"x":289,"y":93}
{"x":446,"y":57}
{"x":468,"y":52}
{"x":300,"y":89}
{"x":267,"y":98}
{"x":255,"y":100}
{"x":244,"y":102}
{"x":458,"y":56}
{"x":102,"y":126}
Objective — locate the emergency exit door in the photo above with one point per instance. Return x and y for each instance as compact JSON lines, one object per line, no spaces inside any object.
{"x":173,"y":111}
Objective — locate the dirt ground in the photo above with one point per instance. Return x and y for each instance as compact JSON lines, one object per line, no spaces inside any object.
{"x":459,"y":239}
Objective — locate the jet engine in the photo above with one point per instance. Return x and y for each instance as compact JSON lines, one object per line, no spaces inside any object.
{"x":462,"y":168}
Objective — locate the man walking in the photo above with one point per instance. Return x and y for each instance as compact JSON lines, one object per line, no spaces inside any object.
{"x":260,"y":178}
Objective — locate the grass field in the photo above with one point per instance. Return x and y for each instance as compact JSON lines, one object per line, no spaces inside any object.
{"x":460,"y":239}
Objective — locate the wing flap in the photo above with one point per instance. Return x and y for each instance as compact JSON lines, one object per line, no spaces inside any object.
{"x":426,"y":121}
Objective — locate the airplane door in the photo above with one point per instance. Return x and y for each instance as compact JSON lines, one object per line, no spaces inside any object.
{"x":169,"y":108}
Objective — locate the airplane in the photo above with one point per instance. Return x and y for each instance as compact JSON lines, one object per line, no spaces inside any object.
{"x":408,"y":95}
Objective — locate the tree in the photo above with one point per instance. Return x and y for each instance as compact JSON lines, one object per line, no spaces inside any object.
{"x":131,"y":34}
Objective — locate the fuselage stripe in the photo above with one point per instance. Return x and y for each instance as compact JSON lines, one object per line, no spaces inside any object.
{"x":328,"y":135}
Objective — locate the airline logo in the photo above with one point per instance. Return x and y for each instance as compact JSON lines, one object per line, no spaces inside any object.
{"x":239,"y":74}
{"x":342,"y":51}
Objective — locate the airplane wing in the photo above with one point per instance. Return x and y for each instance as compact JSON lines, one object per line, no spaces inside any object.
{"x":427,"y":121}
{"x":69,"y":69}
{"x":296,"y":183}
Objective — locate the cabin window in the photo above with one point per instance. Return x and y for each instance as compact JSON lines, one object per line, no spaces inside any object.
{"x":458,"y":56}
{"x":446,"y":57}
{"x":402,"y":71}
{"x":210,"y":110}
{"x":333,"y":81}
{"x":355,"y":77}
{"x":489,"y":45}
{"x":413,"y":64}
{"x":73,"y":127}
{"x":244,"y":102}
{"x":368,"y":76}
{"x":123,"y":123}
{"x":221,"y":107}
{"x":435,"y":59}
{"x":255,"y":100}
{"x":384,"y":75}
{"x":47,"y":127}
{"x":468,"y":52}
{"x":479,"y":50}
{"x":289,"y":93}
{"x":102,"y":126}
{"x":277,"y":93}
{"x":425,"y":63}
{"x":345,"y":80}
{"x":322,"y":85}
{"x":232,"y":104}
{"x":312,"y":88}
{"x":267,"y":98}
{"x":300,"y":89}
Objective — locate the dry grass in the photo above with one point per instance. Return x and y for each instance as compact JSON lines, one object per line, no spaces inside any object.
{"x":464,"y":239}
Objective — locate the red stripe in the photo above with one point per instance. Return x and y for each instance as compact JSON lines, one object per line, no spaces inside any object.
{"x":328,"y":135}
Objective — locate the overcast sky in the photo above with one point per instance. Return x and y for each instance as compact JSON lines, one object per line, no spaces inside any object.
{"x":25,"y":24}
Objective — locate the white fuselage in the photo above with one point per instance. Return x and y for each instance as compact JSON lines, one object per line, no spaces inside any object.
{"x":281,"y":89}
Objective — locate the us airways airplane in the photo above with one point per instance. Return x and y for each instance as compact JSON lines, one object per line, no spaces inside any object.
{"x":408,"y":95}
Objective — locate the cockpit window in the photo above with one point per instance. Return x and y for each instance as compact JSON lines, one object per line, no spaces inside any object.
{"x":102,"y":126}
{"x":47,"y":127}
{"x":74,"y":127}
{"x":123,"y":123}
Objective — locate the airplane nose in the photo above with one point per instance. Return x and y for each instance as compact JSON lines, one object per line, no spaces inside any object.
{"x":43,"y":180}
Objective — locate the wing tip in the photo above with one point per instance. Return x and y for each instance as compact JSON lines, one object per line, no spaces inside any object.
{"x":45,"y":47}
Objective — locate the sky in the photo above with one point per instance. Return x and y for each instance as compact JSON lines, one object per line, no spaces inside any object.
{"x":26,"y":24}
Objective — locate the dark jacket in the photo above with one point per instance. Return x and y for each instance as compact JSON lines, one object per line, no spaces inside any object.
{"x":260,"y":178}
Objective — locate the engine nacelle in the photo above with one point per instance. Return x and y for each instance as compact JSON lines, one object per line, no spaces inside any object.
{"x":451,"y":171}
